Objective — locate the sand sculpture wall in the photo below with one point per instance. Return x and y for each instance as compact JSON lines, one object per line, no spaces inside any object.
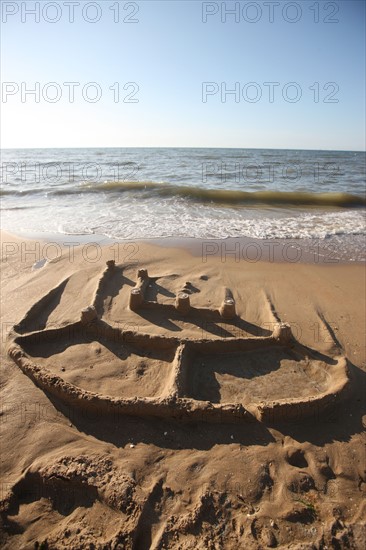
{"x":175,"y":400}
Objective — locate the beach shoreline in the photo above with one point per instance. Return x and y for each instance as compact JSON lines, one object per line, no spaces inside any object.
{"x":240,"y":249}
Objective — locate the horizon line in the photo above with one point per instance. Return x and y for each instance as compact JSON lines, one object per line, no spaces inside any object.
{"x":188,"y":147}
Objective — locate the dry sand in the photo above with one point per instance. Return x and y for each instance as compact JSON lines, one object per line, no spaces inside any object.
{"x":157,"y":429}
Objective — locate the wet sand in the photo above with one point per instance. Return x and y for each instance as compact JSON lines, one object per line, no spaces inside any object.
{"x":180,"y":429}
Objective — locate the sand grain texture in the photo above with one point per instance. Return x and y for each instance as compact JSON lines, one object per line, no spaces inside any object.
{"x":158,"y":428}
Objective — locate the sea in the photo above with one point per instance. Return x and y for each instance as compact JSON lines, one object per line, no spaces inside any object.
{"x":188,"y":193}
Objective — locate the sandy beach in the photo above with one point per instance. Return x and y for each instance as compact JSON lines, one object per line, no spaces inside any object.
{"x":221,"y":404}
{"x":182,"y":269}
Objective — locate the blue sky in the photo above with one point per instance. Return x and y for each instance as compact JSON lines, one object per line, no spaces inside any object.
{"x":172,"y":57}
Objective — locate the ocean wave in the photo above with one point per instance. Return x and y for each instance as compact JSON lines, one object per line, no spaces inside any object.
{"x":149,"y":189}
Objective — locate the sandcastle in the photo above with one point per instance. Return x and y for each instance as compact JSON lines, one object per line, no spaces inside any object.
{"x":178,"y":368}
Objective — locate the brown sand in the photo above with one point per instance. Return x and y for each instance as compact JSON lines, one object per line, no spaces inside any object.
{"x":159,"y":428}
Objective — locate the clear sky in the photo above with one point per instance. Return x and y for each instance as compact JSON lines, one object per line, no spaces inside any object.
{"x":296,"y":69}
